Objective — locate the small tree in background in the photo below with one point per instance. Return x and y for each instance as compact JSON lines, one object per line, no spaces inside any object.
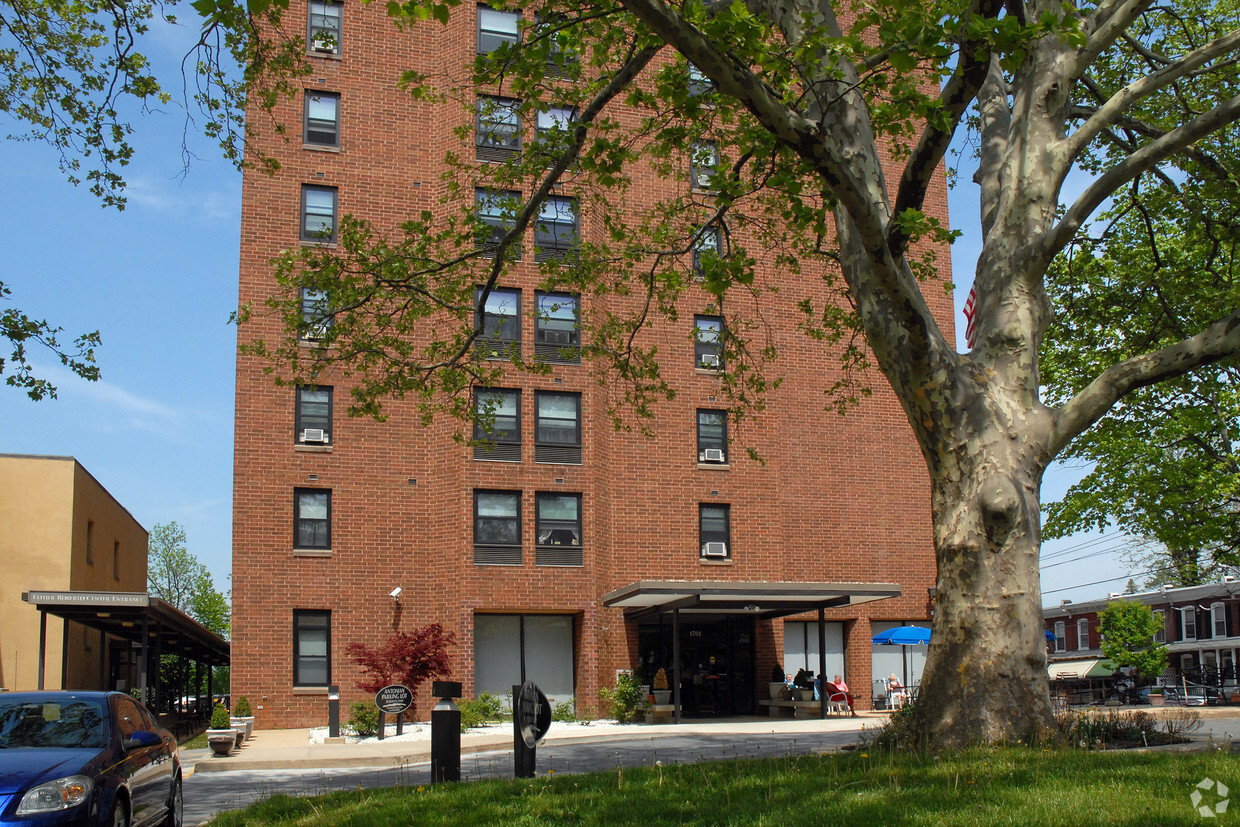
{"x":407,"y":658}
{"x":1127,"y":629}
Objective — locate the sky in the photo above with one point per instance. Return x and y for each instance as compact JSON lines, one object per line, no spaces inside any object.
{"x":159,"y":281}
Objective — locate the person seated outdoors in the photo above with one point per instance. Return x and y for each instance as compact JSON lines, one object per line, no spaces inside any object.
{"x":837,"y":690}
{"x":896,"y":695}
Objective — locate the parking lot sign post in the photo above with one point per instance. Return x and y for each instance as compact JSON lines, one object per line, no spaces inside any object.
{"x":531,"y":718}
{"x":445,"y":733}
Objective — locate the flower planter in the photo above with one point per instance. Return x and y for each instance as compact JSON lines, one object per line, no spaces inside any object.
{"x":239,"y":736}
{"x":1157,"y":700}
{"x":662,"y":696}
{"x":222,"y":741}
{"x":246,"y":723}
{"x":805,"y":694}
{"x":778,"y":690}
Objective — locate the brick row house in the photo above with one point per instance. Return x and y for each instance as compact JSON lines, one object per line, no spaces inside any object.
{"x":563,"y":549}
{"x":1201,"y":628}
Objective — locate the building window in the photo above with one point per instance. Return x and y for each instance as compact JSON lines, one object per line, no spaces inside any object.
{"x":557,"y":336}
{"x":707,"y":247}
{"x":1161,"y":635}
{"x":703,"y":164}
{"x":712,"y":436}
{"x":558,"y":530}
{"x":499,"y":323}
{"x":560,"y":56}
{"x":496,"y":28}
{"x":509,"y":649}
{"x":708,"y":342}
{"x":714,"y":531}
{"x":323,"y":27}
{"x":555,"y":234}
{"x":497,"y":424}
{"x":312,"y":519}
{"x":497,"y":528}
{"x":322,"y":127}
{"x":1061,"y":636}
{"x":1188,"y":618}
{"x":557,"y":427}
{"x":1218,"y":619}
{"x":496,"y":210}
{"x":552,"y":131}
{"x":699,"y":83}
{"x":318,"y":214}
{"x":1082,"y":633}
{"x":312,"y":648}
{"x":314,"y":416}
{"x":497,"y":131}
{"x":316,"y":315}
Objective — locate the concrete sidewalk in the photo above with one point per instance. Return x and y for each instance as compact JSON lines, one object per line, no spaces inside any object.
{"x":292,"y":749}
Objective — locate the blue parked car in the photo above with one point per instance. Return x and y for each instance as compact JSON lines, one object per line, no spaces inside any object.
{"x":86,"y":758}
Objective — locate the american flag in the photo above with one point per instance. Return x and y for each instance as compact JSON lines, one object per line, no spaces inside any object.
{"x":970,"y":308}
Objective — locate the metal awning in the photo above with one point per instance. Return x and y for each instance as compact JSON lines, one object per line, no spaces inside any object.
{"x":1080,"y":669}
{"x":125,"y":615}
{"x":760,"y":599}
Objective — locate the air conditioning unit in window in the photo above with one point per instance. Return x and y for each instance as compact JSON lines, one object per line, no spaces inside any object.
{"x":315,"y":435}
{"x":713,"y":455}
{"x":715,"y":549}
{"x":556,"y":337}
{"x":324,"y":41}
{"x":710,"y":360}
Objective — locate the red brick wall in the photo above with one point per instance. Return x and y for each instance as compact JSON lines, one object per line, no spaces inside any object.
{"x":838,"y":498}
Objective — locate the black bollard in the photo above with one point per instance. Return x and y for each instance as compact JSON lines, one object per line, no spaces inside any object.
{"x":333,"y":711}
{"x":445,"y":733}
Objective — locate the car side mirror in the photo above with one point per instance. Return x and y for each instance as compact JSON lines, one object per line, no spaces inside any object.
{"x":141,"y":739}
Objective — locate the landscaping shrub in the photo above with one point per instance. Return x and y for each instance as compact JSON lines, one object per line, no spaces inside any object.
{"x":625,"y":700}
{"x":242,"y":708}
{"x":564,"y":711}
{"x":481,"y":710}
{"x":364,"y":719}
{"x":219,"y":717}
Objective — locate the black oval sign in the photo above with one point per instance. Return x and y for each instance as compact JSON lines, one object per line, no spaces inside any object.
{"x":394,"y":699}
{"x":533,"y":713}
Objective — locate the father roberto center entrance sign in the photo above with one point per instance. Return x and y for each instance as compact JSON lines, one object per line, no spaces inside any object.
{"x":531,"y":718}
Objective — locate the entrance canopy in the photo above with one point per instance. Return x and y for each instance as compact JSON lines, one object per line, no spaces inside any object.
{"x":761,"y":599}
{"x":1080,"y":669}
{"x":138,"y":618}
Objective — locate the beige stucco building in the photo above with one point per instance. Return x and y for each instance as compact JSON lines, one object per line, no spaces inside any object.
{"x":60,"y":530}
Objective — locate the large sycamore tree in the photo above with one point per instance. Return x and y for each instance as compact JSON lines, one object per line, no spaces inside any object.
{"x":830,"y":123}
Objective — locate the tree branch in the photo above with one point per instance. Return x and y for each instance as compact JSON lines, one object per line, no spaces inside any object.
{"x":1220,"y":340}
{"x":996,"y":117}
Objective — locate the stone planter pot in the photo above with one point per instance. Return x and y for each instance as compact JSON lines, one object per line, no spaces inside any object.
{"x":239,"y":729}
{"x":1157,"y":700}
{"x":222,"y":741}
{"x":777,"y":690}
{"x":662,"y":696}
{"x":247,"y":722}
{"x":805,"y":694}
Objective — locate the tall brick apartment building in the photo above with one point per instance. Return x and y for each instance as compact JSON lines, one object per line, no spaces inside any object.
{"x":569,"y":549}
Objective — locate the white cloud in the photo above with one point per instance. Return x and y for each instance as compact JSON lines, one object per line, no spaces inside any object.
{"x":173,"y":197}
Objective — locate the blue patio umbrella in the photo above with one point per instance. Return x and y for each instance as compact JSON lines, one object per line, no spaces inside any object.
{"x":903,"y":636}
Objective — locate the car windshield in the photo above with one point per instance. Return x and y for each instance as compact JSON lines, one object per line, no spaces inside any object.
{"x":72,"y":723}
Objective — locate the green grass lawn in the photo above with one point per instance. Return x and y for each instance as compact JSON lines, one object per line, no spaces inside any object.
{"x":1016,"y":786}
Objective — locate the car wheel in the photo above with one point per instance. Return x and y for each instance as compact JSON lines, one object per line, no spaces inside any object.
{"x":119,"y":817}
{"x":176,"y":805}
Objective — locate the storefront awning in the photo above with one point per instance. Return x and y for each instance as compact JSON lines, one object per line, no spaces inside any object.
{"x":761,"y":599}
{"x":1080,"y":669}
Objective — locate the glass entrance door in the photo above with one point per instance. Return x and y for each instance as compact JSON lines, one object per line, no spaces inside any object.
{"x":716,"y":662}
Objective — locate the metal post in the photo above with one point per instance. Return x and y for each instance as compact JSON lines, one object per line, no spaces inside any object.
{"x":382,"y":724}
{"x":676,"y":663}
{"x":445,"y":733}
{"x":42,"y":644}
{"x":523,"y":756}
{"x":143,"y":655}
{"x":822,"y":663}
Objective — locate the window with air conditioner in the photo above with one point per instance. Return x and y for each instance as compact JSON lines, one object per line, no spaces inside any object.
{"x":703,"y":165}
{"x":313,"y":422}
{"x":496,"y":211}
{"x":323,"y":27}
{"x":708,"y":342}
{"x":497,"y":424}
{"x":714,"y":530}
{"x":497,"y":28}
{"x":499,"y":322}
{"x":712,"y":436}
{"x":497,"y":131}
{"x":557,"y":530}
{"x":557,"y":336}
{"x":497,"y":528}
{"x":557,"y":427}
